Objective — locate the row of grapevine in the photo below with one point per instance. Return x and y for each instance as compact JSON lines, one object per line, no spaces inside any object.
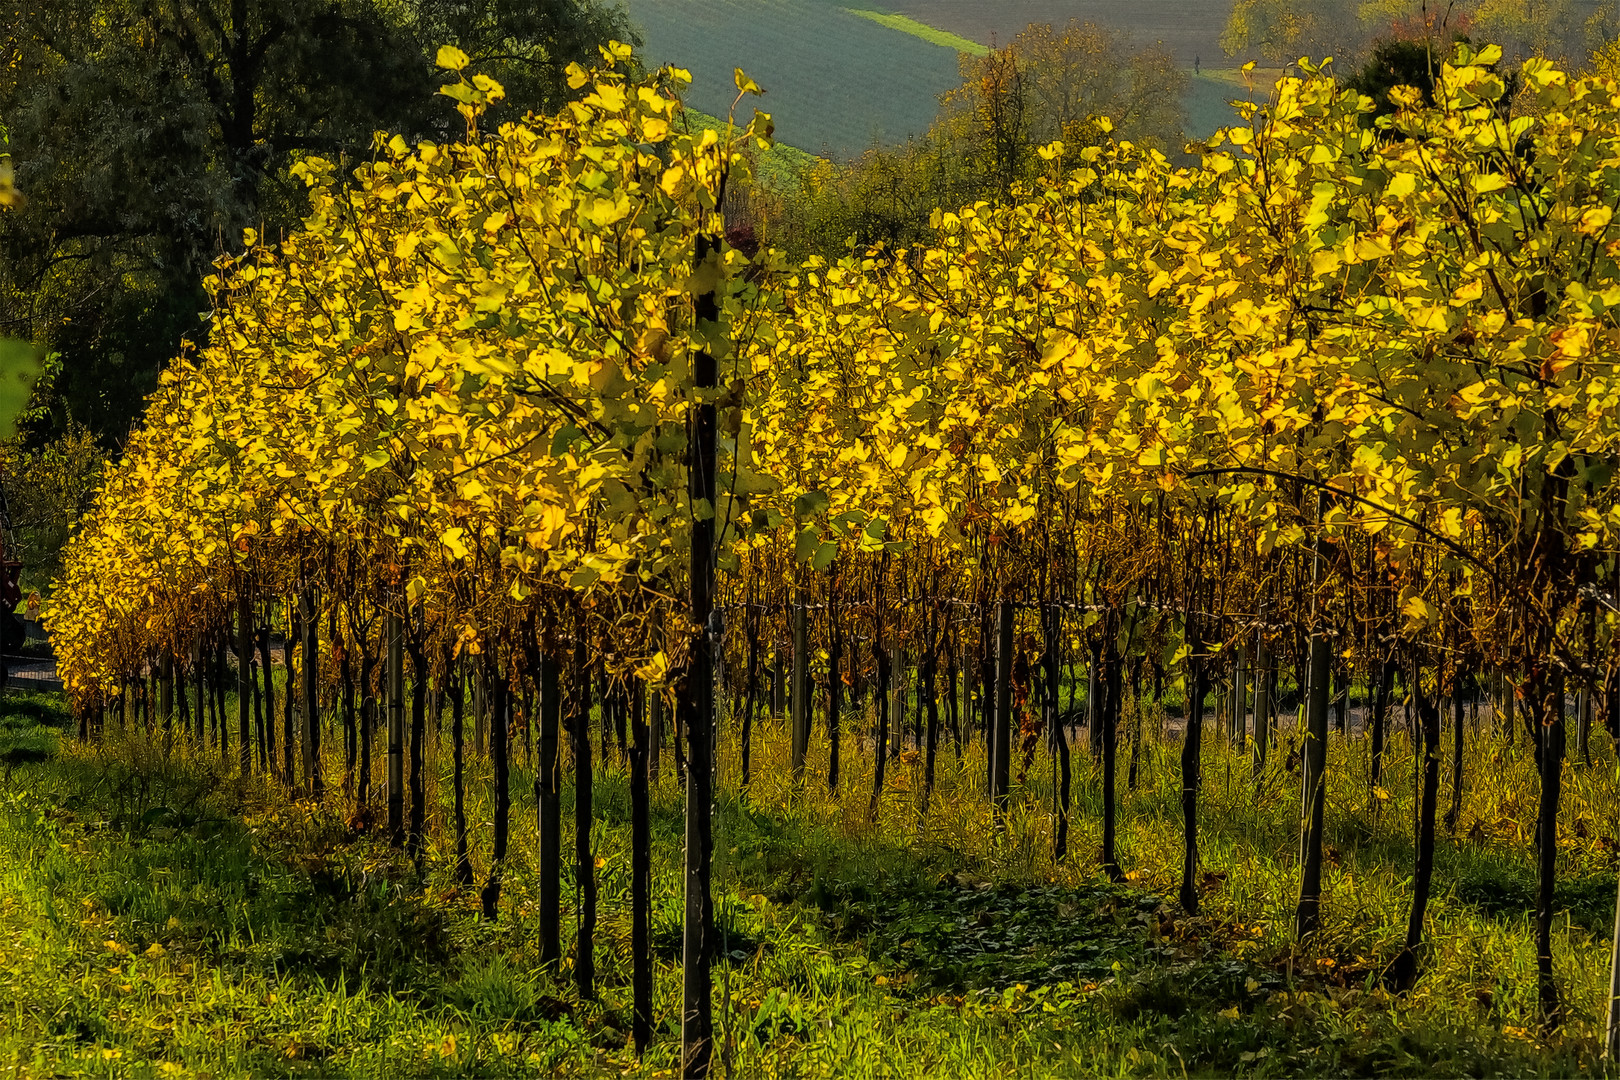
{"x":1339,"y":399}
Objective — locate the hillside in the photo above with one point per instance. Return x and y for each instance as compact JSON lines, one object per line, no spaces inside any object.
{"x":840,"y":75}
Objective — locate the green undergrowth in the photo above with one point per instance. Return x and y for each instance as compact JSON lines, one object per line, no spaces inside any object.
{"x":159,"y":916}
{"x":777,"y":168}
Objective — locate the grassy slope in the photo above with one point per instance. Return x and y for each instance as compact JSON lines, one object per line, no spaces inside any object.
{"x":1188,"y":28}
{"x":930,"y":34}
{"x":834,"y":82}
{"x":840,"y":75}
{"x":157,"y":919}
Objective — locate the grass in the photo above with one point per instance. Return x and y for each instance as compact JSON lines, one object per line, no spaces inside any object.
{"x":933,"y":35}
{"x":158,"y":917}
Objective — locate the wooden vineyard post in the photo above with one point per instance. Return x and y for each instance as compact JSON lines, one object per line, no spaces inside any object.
{"x":548,"y":790}
{"x":697,"y":1021}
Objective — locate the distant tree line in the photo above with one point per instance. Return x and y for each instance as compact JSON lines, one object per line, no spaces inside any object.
{"x":1047,"y":84}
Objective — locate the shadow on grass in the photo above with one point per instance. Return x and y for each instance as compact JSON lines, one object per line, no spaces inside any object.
{"x":173,"y":859}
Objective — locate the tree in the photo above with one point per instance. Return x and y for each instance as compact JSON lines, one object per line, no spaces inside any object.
{"x":1285,"y":30}
{"x":151,"y":133}
{"x":1075,"y":74}
{"x":1047,"y":84}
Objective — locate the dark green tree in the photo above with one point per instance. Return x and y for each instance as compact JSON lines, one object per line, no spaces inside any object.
{"x":148,"y":134}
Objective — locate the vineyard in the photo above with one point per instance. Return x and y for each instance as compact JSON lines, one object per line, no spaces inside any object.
{"x":1162,"y":625}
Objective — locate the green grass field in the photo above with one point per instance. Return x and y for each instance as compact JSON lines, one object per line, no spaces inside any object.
{"x":927,"y":33}
{"x":840,"y":77}
{"x":835,"y":82}
{"x":158,"y":918}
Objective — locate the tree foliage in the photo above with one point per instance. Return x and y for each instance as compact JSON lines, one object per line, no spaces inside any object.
{"x":1364,"y":372}
{"x":1049,"y":83}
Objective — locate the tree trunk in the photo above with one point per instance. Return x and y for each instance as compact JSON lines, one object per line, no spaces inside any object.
{"x":928,"y":701}
{"x":457,"y":691}
{"x":584,"y":853}
{"x":1313,"y":756}
{"x":1110,"y":749}
{"x":548,"y":800}
{"x":500,"y":696}
{"x":898,"y":675}
{"x":1404,"y":970}
{"x":289,"y":697}
{"x":778,"y":683}
{"x":1455,"y":810}
{"x":1549,"y":695}
{"x":368,"y":720}
{"x":311,"y":687}
{"x":1093,"y":713}
{"x":880,"y":754}
{"x":953,"y":703}
{"x":351,"y":729}
{"x":641,"y":971}
{"x":267,"y":757}
{"x":697,"y":1024}
{"x":1191,"y":745}
{"x":418,"y":779}
{"x":1386,"y":686}
{"x":1053,"y":627}
{"x":267,"y":671}
{"x":1341,"y":697}
{"x":1583,"y":727}
{"x":751,"y":701}
{"x":1240,"y":696}
{"x":835,"y":695}
{"x":480,"y":704}
{"x":221,"y":681}
{"x":396,"y":729}
{"x":199,"y":671}
{"x":800,"y":699}
{"x":177,"y":676}
{"x":1001,"y":745}
{"x":655,"y":735}
{"x":1263,"y":706}
{"x":1509,"y":701}
{"x":166,"y":696}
